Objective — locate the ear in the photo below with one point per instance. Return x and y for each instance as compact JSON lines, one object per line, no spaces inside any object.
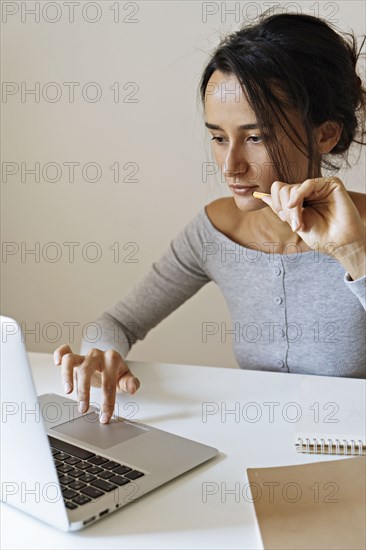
{"x":327,"y":135}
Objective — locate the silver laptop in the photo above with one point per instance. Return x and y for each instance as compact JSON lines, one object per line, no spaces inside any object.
{"x":66,"y":468}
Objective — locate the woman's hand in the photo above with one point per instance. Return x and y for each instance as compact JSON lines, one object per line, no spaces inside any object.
{"x":105,"y":369}
{"x":330,"y":220}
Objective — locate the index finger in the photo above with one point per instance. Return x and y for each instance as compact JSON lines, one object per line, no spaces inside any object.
{"x":315,"y":189}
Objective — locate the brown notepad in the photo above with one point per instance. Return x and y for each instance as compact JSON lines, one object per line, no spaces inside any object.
{"x":311,"y":506}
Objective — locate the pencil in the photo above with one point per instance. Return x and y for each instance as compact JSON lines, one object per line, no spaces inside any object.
{"x":259,"y":195}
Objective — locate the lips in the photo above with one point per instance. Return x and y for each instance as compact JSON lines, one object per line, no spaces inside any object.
{"x":243,"y":186}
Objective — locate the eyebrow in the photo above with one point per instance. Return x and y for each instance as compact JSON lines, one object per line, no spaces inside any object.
{"x":241,"y":127}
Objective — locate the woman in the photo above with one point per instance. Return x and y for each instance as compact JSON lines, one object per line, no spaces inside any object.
{"x":281,"y":97}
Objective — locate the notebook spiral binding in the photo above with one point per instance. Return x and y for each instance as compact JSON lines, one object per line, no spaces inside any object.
{"x":331,"y":446}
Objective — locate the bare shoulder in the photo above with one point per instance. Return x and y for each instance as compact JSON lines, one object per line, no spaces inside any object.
{"x":234,"y":223}
{"x":359,"y":200}
{"x":223,"y":214}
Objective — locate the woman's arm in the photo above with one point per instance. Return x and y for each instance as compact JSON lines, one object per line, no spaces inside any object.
{"x":353,"y":259}
{"x":329,"y":217}
{"x":171,"y":280}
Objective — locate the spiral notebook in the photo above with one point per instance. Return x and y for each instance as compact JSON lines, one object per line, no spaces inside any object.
{"x":333,"y":416}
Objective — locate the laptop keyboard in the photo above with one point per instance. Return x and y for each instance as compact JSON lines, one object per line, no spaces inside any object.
{"x":85,"y":476}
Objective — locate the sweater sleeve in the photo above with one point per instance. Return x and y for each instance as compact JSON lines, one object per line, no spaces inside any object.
{"x":358,"y":287}
{"x":176,"y":276}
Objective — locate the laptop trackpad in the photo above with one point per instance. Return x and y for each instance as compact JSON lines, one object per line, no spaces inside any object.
{"x":88,"y":429}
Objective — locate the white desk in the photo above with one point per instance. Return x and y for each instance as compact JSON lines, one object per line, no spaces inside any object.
{"x":177,"y":515}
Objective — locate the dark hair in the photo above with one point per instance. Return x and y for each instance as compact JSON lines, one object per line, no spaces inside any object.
{"x":315,"y":69}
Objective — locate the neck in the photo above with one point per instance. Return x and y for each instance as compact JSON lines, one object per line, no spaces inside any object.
{"x":274,"y":230}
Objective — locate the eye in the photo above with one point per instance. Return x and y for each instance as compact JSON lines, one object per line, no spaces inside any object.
{"x":217,"y":138}
{"x":256,"y":137}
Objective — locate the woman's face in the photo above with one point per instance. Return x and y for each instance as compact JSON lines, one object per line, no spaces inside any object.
{"x":240,"y":153}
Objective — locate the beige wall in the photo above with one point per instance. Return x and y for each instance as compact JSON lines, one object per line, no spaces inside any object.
{"x":161,"y":134}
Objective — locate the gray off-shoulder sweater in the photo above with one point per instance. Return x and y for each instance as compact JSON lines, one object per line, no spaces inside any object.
{"x":294,"y":312}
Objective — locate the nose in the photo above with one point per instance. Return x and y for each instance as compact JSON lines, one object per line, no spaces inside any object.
{"x":234,"y":163}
